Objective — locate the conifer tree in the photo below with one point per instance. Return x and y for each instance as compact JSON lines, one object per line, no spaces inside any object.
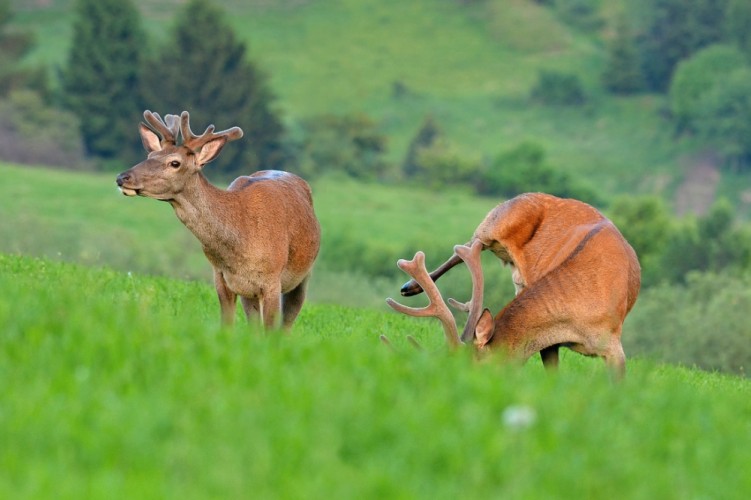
{"x":622,"y":73}
{"x":203,"y":69}
{"x":14,"y":45}
{"x":102,"y":75}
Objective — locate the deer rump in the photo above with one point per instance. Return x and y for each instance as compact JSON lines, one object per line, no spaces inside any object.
{"x":576,"y":279}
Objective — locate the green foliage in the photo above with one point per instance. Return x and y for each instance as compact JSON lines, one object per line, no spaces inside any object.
{"x":557,"y":88}
{"x":350,"y":144}
{"x":696,"y":76}
{"x":710,"y":243}
{"x":738,"y":25}
{"x":622,"y":74}
{"x":102,"y":75}
{"x":15,"y":44}
{"x":123,"y":386}
{"x":425,"y":137}
{"x":722,"y":118}
{"x":524,"y":169}
{"x":203,"y":68}
{"x":646,"y":223}
{"x":32,"y":132}
{"x":676,"y":29}
{"x":702,"y":322}
{"x":580,"y":14}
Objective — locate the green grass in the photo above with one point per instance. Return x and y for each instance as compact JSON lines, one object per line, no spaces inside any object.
{"x":122,"y":386}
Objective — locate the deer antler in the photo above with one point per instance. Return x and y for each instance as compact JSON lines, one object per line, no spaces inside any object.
{"x":195,"y":142}
{"x":437,"y":307}
{"x":471,"y":257}
{"x":167,"y":128}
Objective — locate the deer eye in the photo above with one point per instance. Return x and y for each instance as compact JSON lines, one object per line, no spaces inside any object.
{"x":174,"y":163}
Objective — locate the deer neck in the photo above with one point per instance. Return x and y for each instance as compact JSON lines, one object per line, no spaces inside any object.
{"x":199,"y":206}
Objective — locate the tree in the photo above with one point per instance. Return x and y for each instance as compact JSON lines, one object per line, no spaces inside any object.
{"x":622,"y":73}
{"x":738,"y":25}
{"x":14,"y":45}
{"x":101,"y":78}
{"x":675,"y":29}
{"x":428,"y":134}
{"x":203,"y":69}
{"x":696,"y":76}
{"x":350,"y":144}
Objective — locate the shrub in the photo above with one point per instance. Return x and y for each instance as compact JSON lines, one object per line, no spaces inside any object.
{"x":703,"y":322}
{"x":524,"y":169}
{"x":558,"y":88}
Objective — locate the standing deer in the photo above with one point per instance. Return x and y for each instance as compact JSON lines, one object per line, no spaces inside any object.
{"x":576,"y":279}
{"x":261,"y":235}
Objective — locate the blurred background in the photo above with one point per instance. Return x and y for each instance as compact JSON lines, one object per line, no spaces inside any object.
{"x":411,"y":120}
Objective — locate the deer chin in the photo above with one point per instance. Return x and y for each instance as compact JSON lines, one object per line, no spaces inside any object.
{"x":128,"y":191}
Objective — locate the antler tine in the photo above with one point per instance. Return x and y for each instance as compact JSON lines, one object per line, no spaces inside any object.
{"x":195,"y":142}
{"x":436,"y":307}
{"x":471,"y":257}
{"x":167,"y":128}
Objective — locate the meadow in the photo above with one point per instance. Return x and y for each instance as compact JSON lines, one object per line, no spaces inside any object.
{"x":117,"y":385}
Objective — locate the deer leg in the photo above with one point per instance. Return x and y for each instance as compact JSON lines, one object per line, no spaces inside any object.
{"x":412,"y":288}
{"x":270,"y":305}
{"x":615,"y":359}
{"x":292,"y":303}
{"x":549,"y":357}
{"x":227,"y":299}
{"x":251,"y":307}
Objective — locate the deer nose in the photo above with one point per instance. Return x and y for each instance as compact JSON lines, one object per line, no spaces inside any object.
{"x":123,"y":178}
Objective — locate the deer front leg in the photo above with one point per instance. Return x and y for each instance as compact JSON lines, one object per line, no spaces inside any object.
{"x":227,"y":299}
{"x":251,"y":307}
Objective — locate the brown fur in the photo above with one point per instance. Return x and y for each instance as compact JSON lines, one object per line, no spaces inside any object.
{"x":576,"y":278}
{"x":261,"y":235}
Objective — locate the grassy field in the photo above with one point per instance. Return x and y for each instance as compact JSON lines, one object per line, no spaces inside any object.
{"x":120,"y":386}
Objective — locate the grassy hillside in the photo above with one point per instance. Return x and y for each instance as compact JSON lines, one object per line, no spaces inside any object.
{"x":470,"y":65}
{"x":122,"y":386}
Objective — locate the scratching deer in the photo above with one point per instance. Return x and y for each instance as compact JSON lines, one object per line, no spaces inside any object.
{"x":575,"y":275}
{"x":261,"y":235}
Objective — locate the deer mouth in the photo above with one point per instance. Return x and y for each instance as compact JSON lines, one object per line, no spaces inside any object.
{"x":129,"y":191}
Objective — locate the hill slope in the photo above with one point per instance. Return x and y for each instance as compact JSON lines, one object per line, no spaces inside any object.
{"x":471,"y":65}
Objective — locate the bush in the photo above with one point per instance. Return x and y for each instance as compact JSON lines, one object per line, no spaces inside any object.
{"x":33,"y":133}
{"x":524,"y":169}
{"x":703,"y":322}
{"x":558,"y":88}
{"x":351,"y":144}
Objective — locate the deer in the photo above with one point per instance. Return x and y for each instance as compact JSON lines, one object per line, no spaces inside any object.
{"x":260,"y":235}
{"x":575,"y":278}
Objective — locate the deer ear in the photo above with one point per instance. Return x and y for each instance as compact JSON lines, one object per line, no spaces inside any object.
{"x":210,"y":150}
{"x":149,"y":139}
{"x":484,"y":329}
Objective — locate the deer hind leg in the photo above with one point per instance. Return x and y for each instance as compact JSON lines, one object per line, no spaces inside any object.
{"x":615,"y":359}
{"x":292,"y":303}
{"x":549,"y":357}
{"x":227,"y":299}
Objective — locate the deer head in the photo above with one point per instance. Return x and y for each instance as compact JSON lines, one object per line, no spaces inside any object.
{"x":479,"y":326}
{"x":169,"y":166}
